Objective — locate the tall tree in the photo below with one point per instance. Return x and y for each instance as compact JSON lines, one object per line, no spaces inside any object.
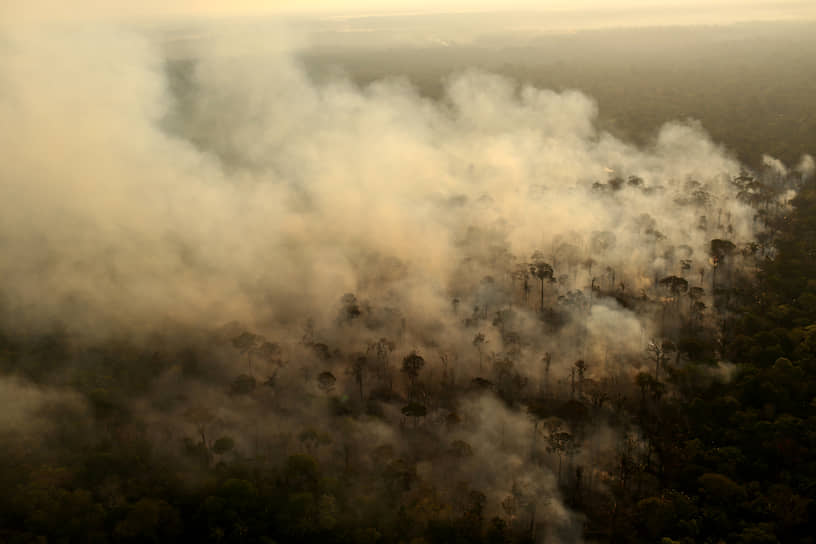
{"x":543,"y":271}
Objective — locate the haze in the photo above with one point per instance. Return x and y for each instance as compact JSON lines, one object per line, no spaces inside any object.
{"x":335,"y":272}
{"x":626,"y":12}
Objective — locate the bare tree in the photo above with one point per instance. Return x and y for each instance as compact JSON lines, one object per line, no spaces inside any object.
{"x":478,"y":342}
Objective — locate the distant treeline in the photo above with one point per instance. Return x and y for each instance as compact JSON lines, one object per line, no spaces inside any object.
{"x":751,"y":85}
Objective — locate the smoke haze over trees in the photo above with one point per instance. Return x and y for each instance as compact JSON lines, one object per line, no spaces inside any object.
{"x":250,"y":293}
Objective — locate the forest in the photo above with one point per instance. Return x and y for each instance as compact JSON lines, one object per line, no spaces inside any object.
{"x":245,"y":302}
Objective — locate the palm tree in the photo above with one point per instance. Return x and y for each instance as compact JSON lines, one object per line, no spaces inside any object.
{"x":543,"y":271}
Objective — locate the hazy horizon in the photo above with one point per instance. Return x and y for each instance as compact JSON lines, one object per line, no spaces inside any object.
{"x":562,"y":13}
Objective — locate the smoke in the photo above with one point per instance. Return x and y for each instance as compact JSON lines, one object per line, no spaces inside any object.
{"x":806,"y":166}
{"x":261,"y":195}
{"x":143,"y":193}
{"x":28,"y":407}
{"x":775,"y":165}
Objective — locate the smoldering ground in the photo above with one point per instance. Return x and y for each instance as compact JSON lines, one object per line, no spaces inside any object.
{"x":174,"y":205}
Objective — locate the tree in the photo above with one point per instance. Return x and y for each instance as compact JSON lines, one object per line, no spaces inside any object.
{"x":543,"y":271}
{"x":498,"y":532}
{"x":580,"y":368}
{"x":719,"y":251}
{"x":357,"y":369}
{"x":479,"y":342}
{"x":411,"y":365}
{"x":675,"y":284}
{"x":414,"y":410}
{"x":326,"y":381}
{"x":547,"y":361}
{"x":558,"y":442}
{"x":474,"y":511}
{"x":247,"y":343}
{"x":648,"y":384}
{"x":202,"y":418}
{"x":223,"y":445}
{"x":312,"y":439}
{"x":448,"y":374}
{"x":382,"y":349}
{"x":657,"y":352}
{"x":522,"y":274}
{"x":510,"y":507}
{"x":349,"y":309}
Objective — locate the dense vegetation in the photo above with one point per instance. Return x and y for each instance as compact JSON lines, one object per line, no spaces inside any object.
{"x":688,"y":449}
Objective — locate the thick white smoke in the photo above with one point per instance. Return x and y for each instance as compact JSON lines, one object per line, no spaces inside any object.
{"x":259,"y":194}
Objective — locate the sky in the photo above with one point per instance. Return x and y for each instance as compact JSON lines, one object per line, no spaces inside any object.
{"x":12,"y":11}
